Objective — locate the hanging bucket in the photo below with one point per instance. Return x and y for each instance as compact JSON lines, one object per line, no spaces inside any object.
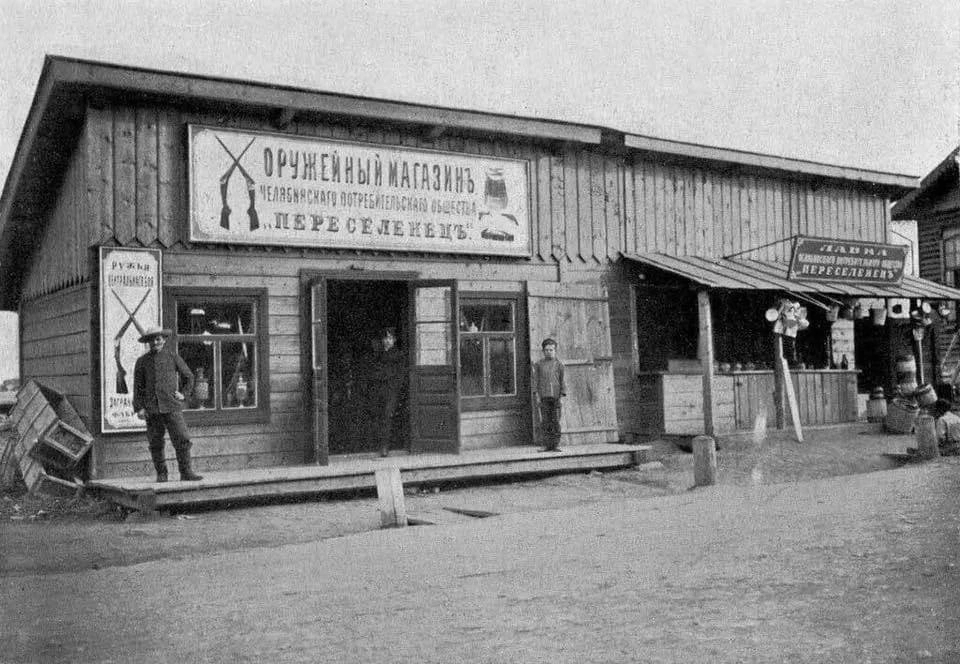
{"x":926,"y":395}
{"x":900,"y":416}
{"x":833,"y":312}
{"x":879,"y":315}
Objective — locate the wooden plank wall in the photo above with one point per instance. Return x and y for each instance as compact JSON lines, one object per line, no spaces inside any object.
{"x":55,"y":346}
{"x":286,"y":438}
{"x":586,"y":206}
{"x":623,"y":338}
{"x":494,"y":428}
{"x":823,"y":397}
{"x":683,"y":404}
{"x":683,"y":210}
{"x":930,"y":241}
{"x":61,"y":259}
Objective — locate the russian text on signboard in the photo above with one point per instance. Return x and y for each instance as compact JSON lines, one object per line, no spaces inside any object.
{"x":129,"y":304}
{"x":260,"y":188}
{"x":850,"y":261}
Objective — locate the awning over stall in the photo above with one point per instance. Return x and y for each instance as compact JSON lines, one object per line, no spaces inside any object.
{"x":749,"y":274}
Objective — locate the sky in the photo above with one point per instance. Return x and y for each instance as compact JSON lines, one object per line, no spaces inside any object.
{"x":866,"y":84}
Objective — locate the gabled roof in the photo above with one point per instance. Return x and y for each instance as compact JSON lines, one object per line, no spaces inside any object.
{"x":912,"y":206}
{"x":67,"y":85}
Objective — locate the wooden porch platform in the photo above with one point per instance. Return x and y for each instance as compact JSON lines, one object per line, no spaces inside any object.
{"x":357,"y":472}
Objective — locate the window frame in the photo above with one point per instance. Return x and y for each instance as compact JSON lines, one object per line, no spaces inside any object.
{"x":520,"y":398}
{"x":226,"y":416}
{"x":950,"y":273}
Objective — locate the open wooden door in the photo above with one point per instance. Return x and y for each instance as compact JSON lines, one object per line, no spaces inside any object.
{"x":434,"y":376}
{"x":318,"y":364}
{"x":577,"y":317}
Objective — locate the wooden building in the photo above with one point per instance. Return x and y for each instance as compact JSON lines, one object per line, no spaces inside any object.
{"x":276,"y":229}
{"x":935,"y":206}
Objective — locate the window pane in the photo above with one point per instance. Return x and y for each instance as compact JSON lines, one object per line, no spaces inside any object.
{"x":223,"y":317}
{"x":471,"y":367}
{"x":199,"y":357}
{"x":486,"y":317}
{"x":502,"y":379}
{"x":433,"y":303}
{"x":238,"y":374}
{"x":434,"y":346}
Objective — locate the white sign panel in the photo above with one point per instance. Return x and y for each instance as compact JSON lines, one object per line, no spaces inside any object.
{"x":260,"y":188}
{"x":129,"y":304}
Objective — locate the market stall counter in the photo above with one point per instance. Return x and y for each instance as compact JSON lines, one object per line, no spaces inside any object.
{"x":672,"y":403}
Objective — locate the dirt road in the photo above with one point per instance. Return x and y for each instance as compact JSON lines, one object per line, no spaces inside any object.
{"x":860,"y":568}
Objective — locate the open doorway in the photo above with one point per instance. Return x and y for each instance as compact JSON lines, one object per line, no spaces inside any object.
{"x":357,"y":313}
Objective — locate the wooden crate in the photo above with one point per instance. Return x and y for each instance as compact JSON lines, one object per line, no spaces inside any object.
{"x":49,"y":436}
{"x":62,"y":445}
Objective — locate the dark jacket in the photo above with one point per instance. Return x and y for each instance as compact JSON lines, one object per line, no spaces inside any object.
{"x":156,"y":377}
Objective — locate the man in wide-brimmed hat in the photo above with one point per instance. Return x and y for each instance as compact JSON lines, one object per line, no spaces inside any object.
{"x":158,"y":400}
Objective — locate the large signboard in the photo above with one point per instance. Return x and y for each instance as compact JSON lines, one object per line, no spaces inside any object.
{"x":129,"y":304}
{"x":274,"y":189}
{"x":850,"y":261}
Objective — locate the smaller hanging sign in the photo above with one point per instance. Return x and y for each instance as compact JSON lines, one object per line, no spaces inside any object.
{"x":847,"y":261}
{"x":129,"y":304}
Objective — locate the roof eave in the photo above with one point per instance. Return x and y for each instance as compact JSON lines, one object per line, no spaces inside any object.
{"x":908,"y":207}
{"x":892,"y":184}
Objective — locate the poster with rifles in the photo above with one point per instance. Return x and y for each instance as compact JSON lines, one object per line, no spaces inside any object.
{"x":129,"y":304}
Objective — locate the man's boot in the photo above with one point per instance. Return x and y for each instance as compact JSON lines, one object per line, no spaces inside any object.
{"x":183,"y":461}
{"x":159,"y":463}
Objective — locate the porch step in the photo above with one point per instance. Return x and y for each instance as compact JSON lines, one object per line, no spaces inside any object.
{"x":357,"y":473}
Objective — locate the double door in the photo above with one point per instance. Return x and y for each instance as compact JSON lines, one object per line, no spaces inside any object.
{"x":430,"y":349}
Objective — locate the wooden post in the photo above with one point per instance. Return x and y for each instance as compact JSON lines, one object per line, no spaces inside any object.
{"x":926,"y":433}
{"x":704,"y":461}
{"x":705,"y":353}
{"x":778,"y":362}
{"x":393,"y":512}
{"x":792,"y":401}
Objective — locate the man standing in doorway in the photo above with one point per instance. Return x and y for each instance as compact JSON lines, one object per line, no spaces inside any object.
{"x":389,"y":383}
{"x":158,"y":400}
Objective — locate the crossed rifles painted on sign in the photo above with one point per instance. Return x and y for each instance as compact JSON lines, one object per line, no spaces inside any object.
{"x":131,"y":318}
{"x":225,"y":183}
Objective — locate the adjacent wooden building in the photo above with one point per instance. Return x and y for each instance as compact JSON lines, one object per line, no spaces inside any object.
{"x":935,"y":206}
{"x":276,"y":230}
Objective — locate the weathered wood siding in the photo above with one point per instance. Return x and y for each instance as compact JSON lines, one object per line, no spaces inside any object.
{"x":623,"y":338}
{"x":823,"y":397}
{"x":586,"y":206}
{"x":682,"y":210}
{"x":930,"y":241}
{"x":287,"y":438}
{"x":129,"y":187}
{"x":494,"y":428}
{"x":60,"y":259}
{"x":55,"y":344}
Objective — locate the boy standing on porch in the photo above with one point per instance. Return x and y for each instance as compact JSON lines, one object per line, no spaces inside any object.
{"x":549,"y":387}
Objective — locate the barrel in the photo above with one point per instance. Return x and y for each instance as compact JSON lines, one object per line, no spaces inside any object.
{"x":901,"y":415}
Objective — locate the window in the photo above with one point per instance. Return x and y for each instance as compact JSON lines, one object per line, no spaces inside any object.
{"x":221,"y":335}
{"x":488,"y":351}
{"x":951,"y":257}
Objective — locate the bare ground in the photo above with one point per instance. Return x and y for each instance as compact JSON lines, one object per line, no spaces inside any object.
{"x":775,"y":564}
